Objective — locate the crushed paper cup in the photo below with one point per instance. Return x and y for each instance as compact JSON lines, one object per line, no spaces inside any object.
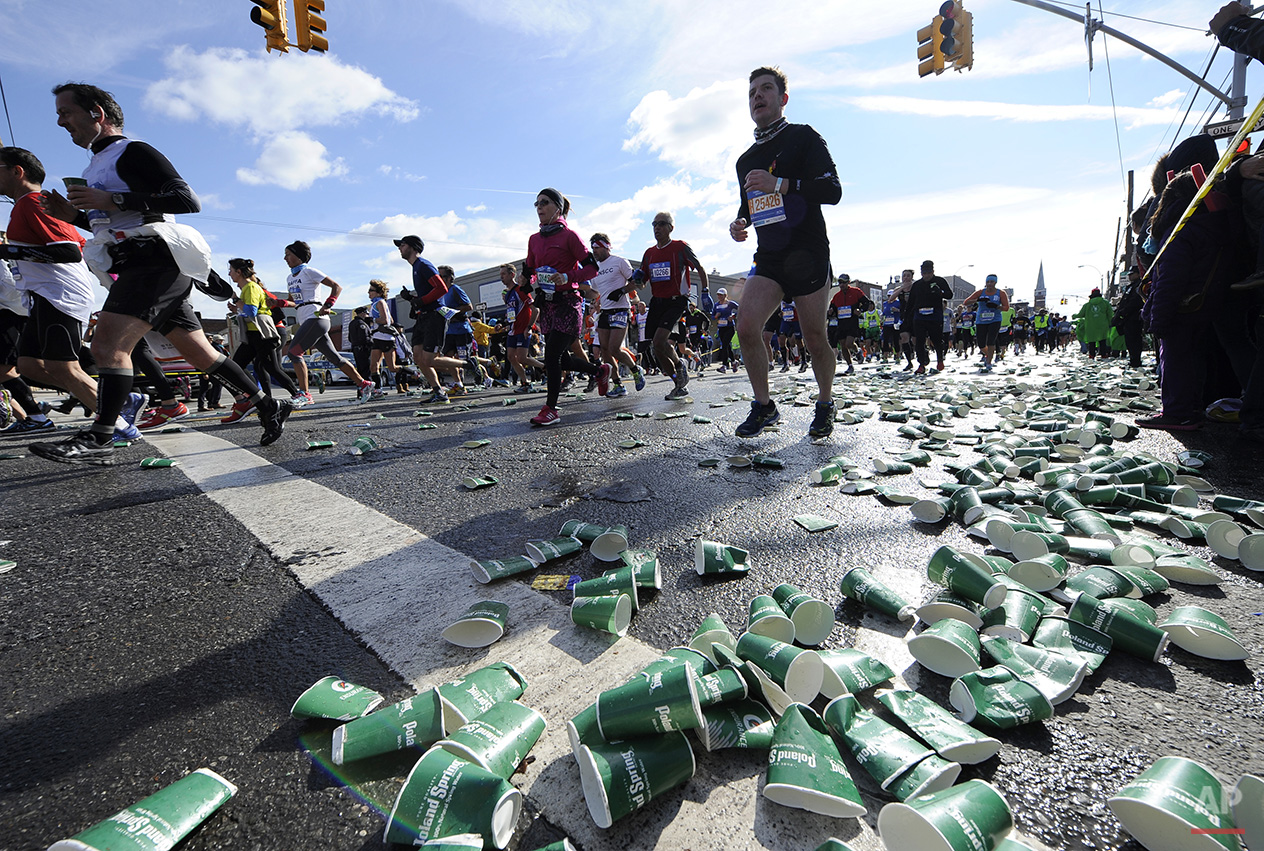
{"x":851,"y":671}
{"x":971,"y":816}
{"x":621,"y":777}
{"x":884,"y":751}
{"x":744,"y":724}
{"x":711,"y":557}
{"x":487,"y":570}
{"x":947,"y":604}
{"x":724,"y":686}
{"x":477,"y":482}
{"x":645,"y":568}
{"x":332,"y":699}
{"x":1203,"y":633}
{"x":1054,"y":675}
{"x":1176,"y":803}
{"x":1041,"y":573}
{"x":499,"y":739}
{"x":814,"y":523}
{"x":858,"y":584}
{"x":1224,"y":536}
{"x":997,"y":699}
{"x":546,"y":551}
{"x":1074,"y":639}
{"x":951,"y":738}
{"x":948,"y":647}
{"x":478,"y":691}
{"x":1186,"y":568}
{"x":1251,"y":551}
{"x":805,"y":769}
{"x":482,"y":624}
{"x":1248,"y":809}
{"x":932,"y":774}
{"x":711,"y":631}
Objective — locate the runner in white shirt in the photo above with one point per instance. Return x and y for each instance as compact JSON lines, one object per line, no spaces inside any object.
{"x":613,"y":275}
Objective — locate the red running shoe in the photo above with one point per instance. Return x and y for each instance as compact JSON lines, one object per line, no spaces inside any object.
{"x":546,"y":417}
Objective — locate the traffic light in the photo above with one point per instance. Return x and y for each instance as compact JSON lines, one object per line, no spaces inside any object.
{"x":956,"y":34}
{"x":270,"y":14}
{"x":930,"y":54}
{"x":1064,"y":301}
{"x":309,"y":27}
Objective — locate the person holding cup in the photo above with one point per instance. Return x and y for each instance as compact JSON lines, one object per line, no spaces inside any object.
{"x":558,"y":261}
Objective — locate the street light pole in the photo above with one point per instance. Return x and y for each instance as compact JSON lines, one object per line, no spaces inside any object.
{"x":1101,"y":277}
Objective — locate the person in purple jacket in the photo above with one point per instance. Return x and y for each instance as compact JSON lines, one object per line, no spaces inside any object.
{"x":558,"y":264}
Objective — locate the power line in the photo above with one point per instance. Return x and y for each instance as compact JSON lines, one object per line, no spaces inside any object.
{"x":1103,"y":13}
{"x":8,"y":120}
{"x":1119,"y":145}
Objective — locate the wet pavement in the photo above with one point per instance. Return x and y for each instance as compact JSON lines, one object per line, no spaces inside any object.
{"x":151,"y":633}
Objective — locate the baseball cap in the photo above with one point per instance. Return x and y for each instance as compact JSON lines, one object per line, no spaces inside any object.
{"x":413,"y":242}
{"x":721,"y":291}
{"x":844,"y":278}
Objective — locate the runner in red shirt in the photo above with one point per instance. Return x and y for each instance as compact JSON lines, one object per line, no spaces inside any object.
{"x":846,"y":306}
{"x":666,"y":266}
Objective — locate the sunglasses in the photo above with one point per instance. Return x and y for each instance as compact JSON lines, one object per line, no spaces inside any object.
{"x":661,"y":224}
{"x":543,"y":203}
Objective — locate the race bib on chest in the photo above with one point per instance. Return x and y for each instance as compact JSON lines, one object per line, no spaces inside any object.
{"x":844,"y":313}
{"x":660,"y":271}
{"x":926,"y":311}
{"x":721,"y":322}
{"x":986,"y":316}
{"x":511,"y":315}
{"x":766,"y":208}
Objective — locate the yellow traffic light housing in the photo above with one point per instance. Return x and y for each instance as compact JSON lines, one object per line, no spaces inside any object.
{"x":309,"y":26}
{"x":270,"y":14}
{"x":929,"y":53}
{"x":963,"y":33}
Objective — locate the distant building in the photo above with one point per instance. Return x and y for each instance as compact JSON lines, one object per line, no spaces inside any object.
{"x":1039,"y":297}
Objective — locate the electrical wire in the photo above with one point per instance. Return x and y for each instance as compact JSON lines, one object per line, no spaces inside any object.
{"x":1103,"y":13}
{"x":1119,"y":145}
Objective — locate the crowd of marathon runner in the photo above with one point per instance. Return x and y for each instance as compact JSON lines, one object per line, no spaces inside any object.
{"x":574,"y":308}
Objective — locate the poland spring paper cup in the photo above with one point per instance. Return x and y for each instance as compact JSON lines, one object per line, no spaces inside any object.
{"x":622,"y":777}
{"x":766,"y":618}
{"x":996,"y":699}
{"x":1203,"y":633}
{"x":933,"y":774}
{"x":482,"y":624}
{"x":805,"y":769}
{"x":499,"y":739}
{"x":478,"y":691}
{"x":414,"y":722}
{"x":445,"y":795}
{"x":952,"y":738}
{"x":650,"y":704}
{"x":800,"y":672}
{"x":850,"y":671}
{"x":883,"y":750}
{"x":337,"y":700}
{"x":813,"y":619}
{"x":1176,"y":805}
{"x":745,"y":724}
{"x":971,"y":816}
{"x":948,"y":647}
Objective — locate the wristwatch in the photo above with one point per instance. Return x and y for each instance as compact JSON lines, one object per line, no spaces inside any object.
{"x":117,"y":199}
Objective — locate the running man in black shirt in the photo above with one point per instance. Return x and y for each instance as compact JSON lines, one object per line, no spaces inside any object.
{"x":130,"y":193}
{"x":785,"y":177}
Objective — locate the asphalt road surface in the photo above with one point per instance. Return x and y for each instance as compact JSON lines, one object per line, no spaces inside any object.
{"x":161,"y":620}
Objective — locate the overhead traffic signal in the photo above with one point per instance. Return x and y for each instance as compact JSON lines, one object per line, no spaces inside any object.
{"x":270,"y":14}
{"x":930,"y":54}
{"x":309,"y":27}
{"x":958,"y":35}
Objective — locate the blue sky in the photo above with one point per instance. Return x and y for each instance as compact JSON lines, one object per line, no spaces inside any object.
{"x":445,"y":118}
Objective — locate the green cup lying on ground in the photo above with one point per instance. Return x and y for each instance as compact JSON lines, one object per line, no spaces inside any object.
{"x":479,"y":691}
{"x":800,"y":672}
{"x":482,"y":624}
{"x":650,"y":704}
{"x":620,"y":580}
{"x":768,"y":618}
{"x":610,"y":613}
{"x":586,"y":532}
{"x":948,"y":647}
{"x":971,"y":816}
{"x":544,"y":551}
{"x":1127,"y":632}
{"x":335,"y":700}
{"x":858,"y":584}
{"x":996,"y":699}
{"x":951,"y":569}
{"x":712,"y":557}
{"x":158,"y":822}
{"x":813,"y":619}
{"x":1176,"y":797}
{"x":744,"y":724}
{"x":445,"y":795}
{"x":805,"y":769}
{"x":712,"y":630}
{"x":414,"y":722}
{"x":621,"y":777}
{"x":499,"y":739}
{"x":488,"y":570}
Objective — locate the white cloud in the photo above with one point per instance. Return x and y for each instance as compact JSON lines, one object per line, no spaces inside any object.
{"x":399,"y":174}
{"x":213,"y":201}
{"x":1022,"y":112}
{"x":475,"y":208}
{"x":292,"y":160}
{"x":704,"y":131}
{"x":1167,"y":98}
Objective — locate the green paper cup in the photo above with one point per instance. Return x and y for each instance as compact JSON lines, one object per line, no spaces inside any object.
{"x":833,"y":844}
{"x":996,"y":699}
{"x":445,"y":795}
{"x":621,"y":580}
{"x":827,"y":475}
{"x":610,"y":544}
{"x":882,"y":750}
{"x":1100,"y":582}
{"x":1025,"y":545}
{"x":335,"y":700}
{"x":931,"y":510}
{"x":1041,"y":573}
{"x":711,"y":557}
{"x":745,"y":724}
{"x":1129,"y":634}
{"x":74,"y":181}
{"x":813,"y":619}
{"x":952,"y":738}
{"x":1186,"y":568}
{"x":1224,"y":536}
{"x":158,"y":822}
{"x":1203,"y":633}
{"x":712,"y":631}
{"x":362,"y":446}
{"x":1055,"y":676}
{"x":800,"y":672}
{"x":622,"y":777}
{"x":1248,"y":809}
{"x":933,"y":774}
{"x":767,"y":618}
{"x":499,"y":739}
{"x":611,"y":613}
{"x":724,"y":686}
{"x":1176,"y":803}
{"x":967,"y":505}
{"x":891,"y":468}
{"x":644,"y":564}
{"x":1071,"y":638}
{"x":482,"y":624}
{"x":805,"y":769}
{"x":650,"y":704}
{"x":1136,"y":608}
{"x":1016,"y":617}
{"x":947,"y":604}
{"x":459,"y":842}
{"x":850,"y":671}
{"x":583,"y":729}
{"x":1251,"y":551}
{"x":414,"y":722}
{"x":948,"y":647}
{"x":488,"y":570}
{"x":474,"y":483}
{"x":859,"y":585}
{"x":546,"y":551}
{"x":697,"y":662}
{"x":157,"y":462}
{"x":477,"y":692}
{"x":1145,"y":582}
{"x":949,"y":568}
{"x":586,"y":532}
{"x":972,"y":816}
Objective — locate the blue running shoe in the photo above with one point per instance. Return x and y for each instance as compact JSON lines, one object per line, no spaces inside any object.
{"x":132,"y":407}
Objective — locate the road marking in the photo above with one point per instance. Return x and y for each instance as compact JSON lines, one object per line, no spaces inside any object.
{"x":396,"y":589}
